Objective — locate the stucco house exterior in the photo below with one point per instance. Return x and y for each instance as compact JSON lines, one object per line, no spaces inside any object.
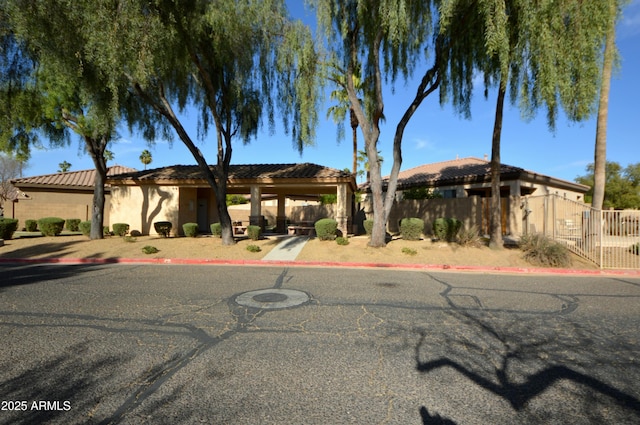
{"x":180,"y":194}
{"x":464,"y":185}
{"x":65,"y":195}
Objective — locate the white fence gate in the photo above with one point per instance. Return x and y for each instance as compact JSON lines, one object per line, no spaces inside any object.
{"x":609,"y":238}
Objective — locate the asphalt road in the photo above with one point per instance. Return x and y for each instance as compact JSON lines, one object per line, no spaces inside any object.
{"x":174,"y":344}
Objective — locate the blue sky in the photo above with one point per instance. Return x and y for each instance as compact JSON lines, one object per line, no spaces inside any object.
{"x":434,"y":134}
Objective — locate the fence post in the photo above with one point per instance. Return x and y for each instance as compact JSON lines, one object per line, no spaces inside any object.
{"x":600,"y":232}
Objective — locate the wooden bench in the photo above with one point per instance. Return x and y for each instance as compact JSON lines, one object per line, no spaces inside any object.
{"x":301,"y":230}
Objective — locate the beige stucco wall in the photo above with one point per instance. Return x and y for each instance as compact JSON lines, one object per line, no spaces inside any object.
{"x":54,"y":204}
{"x":141,"y":206}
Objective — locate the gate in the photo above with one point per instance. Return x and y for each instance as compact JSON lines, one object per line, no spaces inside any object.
{"x":608,"y":238}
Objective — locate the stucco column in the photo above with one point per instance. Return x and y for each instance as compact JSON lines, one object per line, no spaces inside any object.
{"x":255,"y":218}
{"x":281,"y":217}
{"x":342,"y":216}
{"x":515,"y":210}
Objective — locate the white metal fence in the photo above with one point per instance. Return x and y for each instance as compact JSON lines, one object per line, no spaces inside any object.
{"x":609,"y":238}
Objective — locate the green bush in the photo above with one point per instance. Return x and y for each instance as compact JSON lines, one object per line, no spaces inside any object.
{"x":163,"y":228}
{"x":254,"y":232}
{"x":120,"y":229}
{"x":71,"y":224}
{"x":253,"y":248}
{"x":411,"y":228}
{"x":105,"y":231}
{"x":446,"y":228}
{"x":31,"y":225}
{"x":543,"y":251}
{"x":51,"y":226}
{"x":129,"y":238}
{"x":150,"y":249}
{"x":326,"y":229}
{"x":368,"y":226}
{"x":190,"y":229}
{"x":7,"y":227}
{"x":85,"y":227}
{"x":409,"y":251}
{"x":341,"y":240}
{"x":216,"y":230}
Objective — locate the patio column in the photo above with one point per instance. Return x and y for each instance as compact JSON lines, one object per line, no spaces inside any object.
{"x":515,"y":209}
{"x":281,"y":217}
{"x":342,"y":216}
{"x":255,"y":219}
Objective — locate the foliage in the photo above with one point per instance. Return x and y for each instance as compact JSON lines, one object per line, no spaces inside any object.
{"x":190,"y":229}
{"x":216,"y":230}
{"x":51,"y":226}
{"x":411,"y":228}
{"x":470,"y":237}
{"x":146,"y":158}
{"x":622,"y":185}
{"x":148,"y":249}
{"x":31,"y":225}
{"x":368,"y":225}
{"x":63,"y":167}
{"x":446,"y":229}
{"x":341,"y":240}
{"x":105,"y":230}
{"x":85,"y":227}
{"x":420,"y":193}
{"x":326,"y":229}
{"x":543,"y":251}
{"x":72,"y":224}
{"x":236,"y":200}
{"x":163,"y":228}
{"x":253,"y":248}
{"x":10,"y":168}
{"x":7,"y":227}
{"x":328,"y":199}
{"x":135,"y":233}
{"x":120,"y":229}
{"x":129,"y":238}
{"x":254,"y":232}
{"x":409,"y":251}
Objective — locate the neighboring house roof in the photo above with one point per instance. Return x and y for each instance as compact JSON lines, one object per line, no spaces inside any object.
{"x":73,"y":180}
{"x":190,"y":174}
{"x":470,"y":170}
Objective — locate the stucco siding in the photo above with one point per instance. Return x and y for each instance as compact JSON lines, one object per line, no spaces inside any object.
{"x":141,"y":206}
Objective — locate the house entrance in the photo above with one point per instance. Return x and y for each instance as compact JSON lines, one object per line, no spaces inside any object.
{"x":203,"y":215}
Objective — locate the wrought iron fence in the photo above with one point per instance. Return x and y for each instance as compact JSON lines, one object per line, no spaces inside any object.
{"x":608,"y":238}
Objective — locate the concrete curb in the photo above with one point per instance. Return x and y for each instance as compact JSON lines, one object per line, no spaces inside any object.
{"x":284,"y":263}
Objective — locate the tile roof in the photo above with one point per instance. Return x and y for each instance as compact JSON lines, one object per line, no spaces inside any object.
{"x":70,"y":179}
{"x":238,"y":172}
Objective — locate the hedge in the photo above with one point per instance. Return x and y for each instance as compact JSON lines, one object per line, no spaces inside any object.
{"x":120,"y":229}
{"x":326,"y":229}
{"x":368,"y":226}
{"x":446,"y":228}
{"x":72,"y":224}
{"x":163,"y":228}
{"x":31,"y":225}
{"x":7,"y":227}
{"x":254,"y":232}
{"x":411,"y":228}
{"x":216,"y":230}
{"x":190,"y":229}
{"x":85,"y":227}
{"x":51,"y":226}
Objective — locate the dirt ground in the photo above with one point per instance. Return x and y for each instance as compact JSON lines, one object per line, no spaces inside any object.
{"x":426,"y":252}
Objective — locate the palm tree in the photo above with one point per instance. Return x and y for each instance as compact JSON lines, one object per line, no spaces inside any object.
{"x":64,"y":167}
{"x":145,"y":158}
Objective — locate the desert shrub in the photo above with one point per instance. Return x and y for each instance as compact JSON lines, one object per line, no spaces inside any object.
{"x":7,"y":227}
{"x":85,"y":227}
{"x":163,"y":228}
{"x":254,"y":232}
{"x":120,"y":229}
{"x":253,"y":248}
{"x":71,"y":224}
{"x":129,"y":238}
{"x":216,"y":230}
{"x":190,"y":229}
{"x":540,"y":250}
{"x":31,"y":225}
{"x":326,"y":229}
{"x":411,"y":228}
{"x":368,"y":226}
{"x":148,"y":249}
{"x":51,"y":226}
{"x":446,"y":228}
{"x":635,"y":249}
{"x":105,"y":231}
{"x":470,"y":237}
{"x":409,"y":251}
{"x":341,"y":240}
{"x":135,"y":233}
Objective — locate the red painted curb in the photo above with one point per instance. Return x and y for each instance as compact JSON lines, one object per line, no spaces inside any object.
{"x":282,"y":263}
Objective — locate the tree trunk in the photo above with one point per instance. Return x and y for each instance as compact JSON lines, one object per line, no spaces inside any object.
{"x":379,"y":230}
{"x":223,"y":213}
{"x":600,"y":156}
{"x":354,"y":131}
{"x":495,"y":215}
{"x":96,"y":149}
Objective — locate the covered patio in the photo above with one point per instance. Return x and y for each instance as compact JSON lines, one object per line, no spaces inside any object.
{"x":180,"y":194}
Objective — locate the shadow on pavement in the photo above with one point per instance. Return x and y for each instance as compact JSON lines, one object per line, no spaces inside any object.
{"x":14,"y":274}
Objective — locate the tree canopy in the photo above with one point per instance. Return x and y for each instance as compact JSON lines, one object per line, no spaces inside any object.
{"x":622,"y":185}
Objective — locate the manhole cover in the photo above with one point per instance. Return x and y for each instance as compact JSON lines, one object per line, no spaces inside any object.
{"x":272,"y":298}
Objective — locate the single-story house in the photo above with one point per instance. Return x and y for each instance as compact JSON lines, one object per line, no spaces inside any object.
{"x":471,"y":177}
{"x":65,"y":195}
{"x":180,"y":194}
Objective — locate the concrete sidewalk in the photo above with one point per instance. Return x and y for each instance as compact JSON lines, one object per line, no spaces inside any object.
{"x":287,"y":250}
